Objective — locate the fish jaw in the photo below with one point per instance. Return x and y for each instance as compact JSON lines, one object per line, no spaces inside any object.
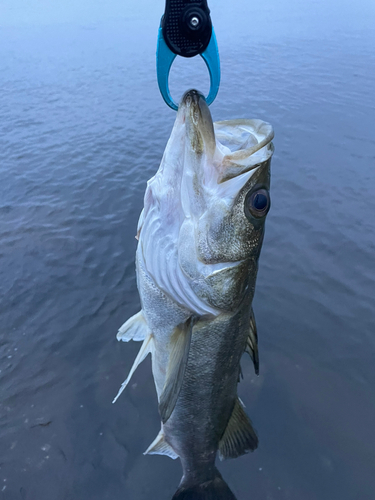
{"x":199,"y":125}
{"x":201,"y":156}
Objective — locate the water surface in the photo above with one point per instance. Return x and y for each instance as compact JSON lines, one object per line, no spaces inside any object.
{"x":82,"y":128}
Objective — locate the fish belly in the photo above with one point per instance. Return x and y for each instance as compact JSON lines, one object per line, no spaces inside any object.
{"x":163,"y":315}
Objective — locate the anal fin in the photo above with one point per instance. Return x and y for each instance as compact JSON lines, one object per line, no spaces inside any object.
{"x":144,"y":350}
{"x":239,"y":437}
{"x":135,"y":328}
{"x":180,"y":345}
{"x":160,"y":447}
{"x":252,"y":343}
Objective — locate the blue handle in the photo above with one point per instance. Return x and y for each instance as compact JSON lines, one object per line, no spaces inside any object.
{"x":165,"y":58}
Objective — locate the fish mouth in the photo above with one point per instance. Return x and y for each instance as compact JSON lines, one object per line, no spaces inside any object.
{"x":230,"y":148}
{"x":198,"y":121}
{"x":195,"y":102}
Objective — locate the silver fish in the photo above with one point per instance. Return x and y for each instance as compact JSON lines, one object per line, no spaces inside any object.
{"x":200,"y":235}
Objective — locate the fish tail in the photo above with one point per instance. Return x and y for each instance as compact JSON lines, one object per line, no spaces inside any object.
{"x":214,"y":489}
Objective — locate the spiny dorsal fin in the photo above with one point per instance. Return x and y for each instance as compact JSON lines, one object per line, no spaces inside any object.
{"x":252,"y":343}
{"x":135,"y":328}
{"x":239,"y":437}
{"x":160,"y":447}
{"x":180,"y":345}
{"x":146,"y":347}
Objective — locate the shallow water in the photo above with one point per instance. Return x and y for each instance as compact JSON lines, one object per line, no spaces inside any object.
{"x":82,"y":128}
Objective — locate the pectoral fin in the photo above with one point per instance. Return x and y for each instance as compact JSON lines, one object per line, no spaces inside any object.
{"x":144,"y":350}
{"x":252,"y":343}
{"x":135,"y":328}
{"x":180,"y":345}
{"x":160,"y":447}
{"x":239,"y":437}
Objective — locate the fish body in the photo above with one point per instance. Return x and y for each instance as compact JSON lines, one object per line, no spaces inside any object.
{"x":200,"y":235}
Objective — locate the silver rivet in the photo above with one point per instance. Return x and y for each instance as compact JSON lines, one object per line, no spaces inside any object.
{"x":194,"y":21}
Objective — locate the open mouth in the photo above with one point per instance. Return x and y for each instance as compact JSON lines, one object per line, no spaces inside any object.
{"x":244,"y":144}
{"x":243,"y":137}
{"x":234,"y":146}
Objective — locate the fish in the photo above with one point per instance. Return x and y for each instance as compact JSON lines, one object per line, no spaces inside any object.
{"x":200,"y":235}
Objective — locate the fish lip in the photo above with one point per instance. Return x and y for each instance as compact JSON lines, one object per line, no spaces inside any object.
{"x":198,"y":120}
{"x":192,"y":97}
{"x":194,"y":107}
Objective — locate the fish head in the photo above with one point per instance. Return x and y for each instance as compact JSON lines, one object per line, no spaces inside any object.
{"x":213,"y":186}
{"x":227,"y":197}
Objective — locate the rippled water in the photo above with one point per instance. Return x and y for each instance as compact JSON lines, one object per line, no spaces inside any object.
{"x":82,"y":127}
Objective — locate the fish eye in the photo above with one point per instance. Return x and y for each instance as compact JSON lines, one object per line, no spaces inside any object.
{"x":257,"y":203}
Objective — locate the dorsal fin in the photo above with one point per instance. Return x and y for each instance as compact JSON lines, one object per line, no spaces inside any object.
{"x":239,"y":436}
{"x":146,"y":347}
{"x":179,"y":352}
{"x":252,"y":343}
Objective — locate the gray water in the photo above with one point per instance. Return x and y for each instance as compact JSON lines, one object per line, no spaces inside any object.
{"x":82,"y":128}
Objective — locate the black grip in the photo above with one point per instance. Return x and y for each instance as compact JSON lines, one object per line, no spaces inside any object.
{"x":187,"y":26}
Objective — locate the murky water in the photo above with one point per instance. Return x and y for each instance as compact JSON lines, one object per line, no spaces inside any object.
{"x":82,"y":127}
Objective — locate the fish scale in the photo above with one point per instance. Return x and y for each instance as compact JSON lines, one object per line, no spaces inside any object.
{"x":196,"y":275}
{"x":208,"y":393}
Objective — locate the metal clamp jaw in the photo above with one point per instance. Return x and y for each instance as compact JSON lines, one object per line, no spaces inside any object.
{"x":186,"y":30}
